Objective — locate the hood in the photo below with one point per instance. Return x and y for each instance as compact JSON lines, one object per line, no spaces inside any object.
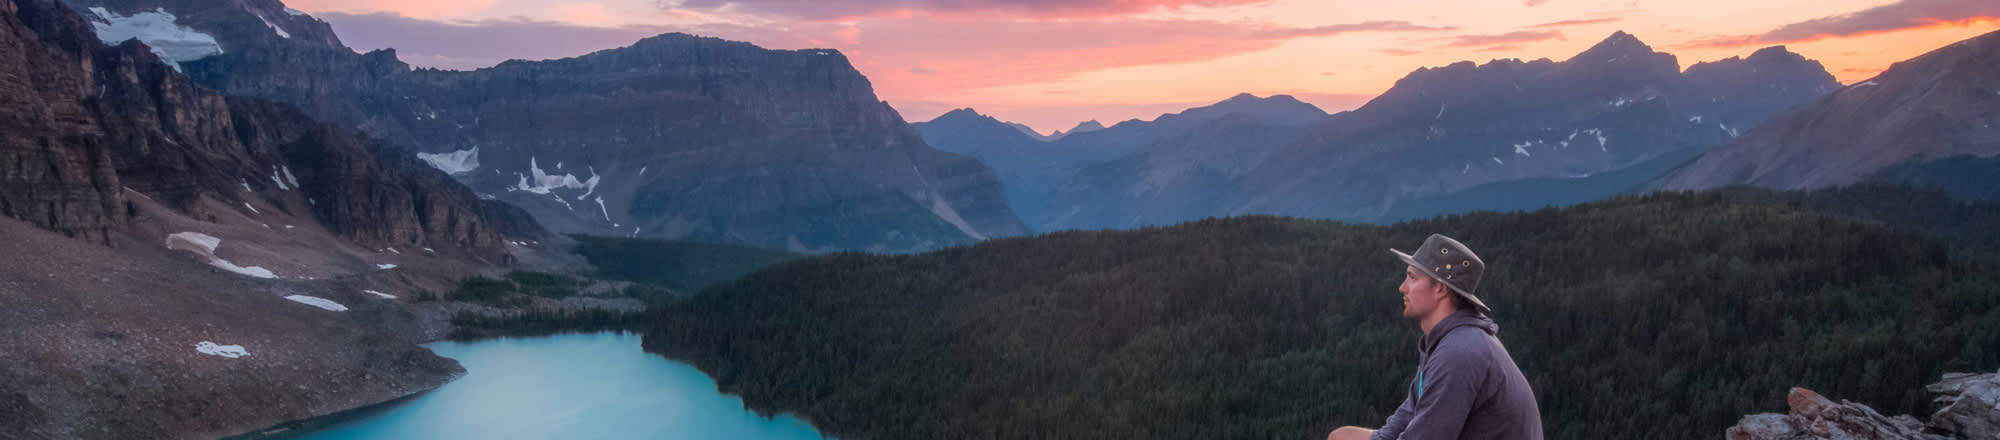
{"x":1462,"y":318}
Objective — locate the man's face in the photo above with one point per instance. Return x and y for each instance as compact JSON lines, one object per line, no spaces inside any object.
{"x":1420,"y":293}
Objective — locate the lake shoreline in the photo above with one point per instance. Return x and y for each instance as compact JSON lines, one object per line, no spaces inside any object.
{"x":599,"y":384}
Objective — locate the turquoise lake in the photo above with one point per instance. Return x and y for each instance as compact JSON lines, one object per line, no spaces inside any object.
{"x":576,"y":386}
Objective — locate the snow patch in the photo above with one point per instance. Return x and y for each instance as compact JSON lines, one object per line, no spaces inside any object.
{"x":394,"y":251}
{"x":1522,"y":149}
{"x":246,"y":185}
{"x":206,"y":242}
{"x":294,"y":12}
{"x":1694,"y":120}
{"x":542,"y":182}
{"x":456,"y":162}
{"x":279,"y":177}
{"x":642,"y":171}
{"x":274,"y":28}
{"x":1496,"y":159}
{"x":289,"y":177}
{"x":315,"y":301}
{"x":1866,"y":84}
{"x":1602,"y":141}
{"x":602,"y":209}
{"x":158,"y":29}
{"x":592,"y":187}
{"x":1725,"y":127}
{"x":944,"y":211}
{"x":385,"y":266}
{"x":228,"y":351}
{"x":380,"y":294}
{"x":253,"y":209}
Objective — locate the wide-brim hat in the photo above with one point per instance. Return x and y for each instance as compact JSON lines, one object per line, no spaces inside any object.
{"x":1449,"y":262}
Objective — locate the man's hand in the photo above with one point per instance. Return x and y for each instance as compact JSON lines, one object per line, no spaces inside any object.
{"x":1351,"y":433}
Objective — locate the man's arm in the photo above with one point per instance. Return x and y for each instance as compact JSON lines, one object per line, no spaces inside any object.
{"x":1393,"y":428}
{"x":1451,"y":383}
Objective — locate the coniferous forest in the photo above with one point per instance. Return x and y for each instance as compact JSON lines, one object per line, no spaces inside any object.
{"x":1667,"y":316}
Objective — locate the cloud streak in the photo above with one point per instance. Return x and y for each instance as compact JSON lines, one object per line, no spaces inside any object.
{"x":1506,"y":39}
{"x":1580,"y":22}
{"x":1337,"y":29}
{"x":839,"y":10}
{"x":1902,"y":15}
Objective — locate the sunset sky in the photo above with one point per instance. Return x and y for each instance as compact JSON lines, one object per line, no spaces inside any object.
{"x":1053,"y":63}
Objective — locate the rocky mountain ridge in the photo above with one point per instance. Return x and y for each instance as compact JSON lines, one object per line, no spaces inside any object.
{"x":1937,"y":105}
{"x":675,"y":136}
{"x":1047,"y":177}
{"x":1440,"y":130}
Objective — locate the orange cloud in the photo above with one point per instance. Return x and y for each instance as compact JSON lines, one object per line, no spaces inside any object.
{"x":1509,"y":39}
{"x":1581,"y":22}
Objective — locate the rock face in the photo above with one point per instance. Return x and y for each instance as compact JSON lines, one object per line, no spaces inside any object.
{"x":1936,"y":105}
{"x":1443,"y":130}
{"x":87,"y":120}
{"x":1969,"y":408}
{"x":676,"y":136}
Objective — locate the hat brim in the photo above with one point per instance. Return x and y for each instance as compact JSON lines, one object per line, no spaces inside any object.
{"x":1412,"y":262}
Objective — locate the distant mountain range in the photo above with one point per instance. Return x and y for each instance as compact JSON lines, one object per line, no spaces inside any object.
{"x":676,"y":136}
{"x":1045,"y":173}
{"x":1938,"y":105}
{"x":1437,"y":133}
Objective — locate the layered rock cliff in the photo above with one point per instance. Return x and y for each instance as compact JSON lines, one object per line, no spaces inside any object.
{"x":87,"y":120}
{"x":675,"y":136}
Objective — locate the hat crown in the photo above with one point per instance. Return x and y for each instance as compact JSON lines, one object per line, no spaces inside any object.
{"x":1452,"y":263}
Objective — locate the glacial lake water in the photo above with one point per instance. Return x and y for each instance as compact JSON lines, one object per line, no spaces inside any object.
{"x":575,"y":386}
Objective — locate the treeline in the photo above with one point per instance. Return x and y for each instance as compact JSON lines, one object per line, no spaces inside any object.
{"x":684,"y":266}
{"x":473,"y":325}
{"x":1666,"y":316}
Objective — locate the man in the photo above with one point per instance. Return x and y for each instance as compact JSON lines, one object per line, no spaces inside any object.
{"x":1466,"y":387}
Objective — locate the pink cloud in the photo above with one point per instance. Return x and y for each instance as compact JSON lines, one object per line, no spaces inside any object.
{"x":1510,"y":38}
{"x":840,"y":10}
{"x":418,"y":9}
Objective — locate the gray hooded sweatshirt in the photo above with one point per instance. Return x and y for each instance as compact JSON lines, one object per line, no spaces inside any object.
{"x":1467,"y":388}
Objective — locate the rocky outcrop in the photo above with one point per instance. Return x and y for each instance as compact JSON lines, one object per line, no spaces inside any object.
{"x":1968,"y":408}
{"x":675,"y":136}
{"x":1940,"y":104}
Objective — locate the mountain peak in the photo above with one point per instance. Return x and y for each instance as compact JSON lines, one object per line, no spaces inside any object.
{"x":1776,"y":53}
{"x":967,"y":112}
{"x":1243,"y":97}
{"x":1086,"y":126}
{"x":1617,"y":45}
